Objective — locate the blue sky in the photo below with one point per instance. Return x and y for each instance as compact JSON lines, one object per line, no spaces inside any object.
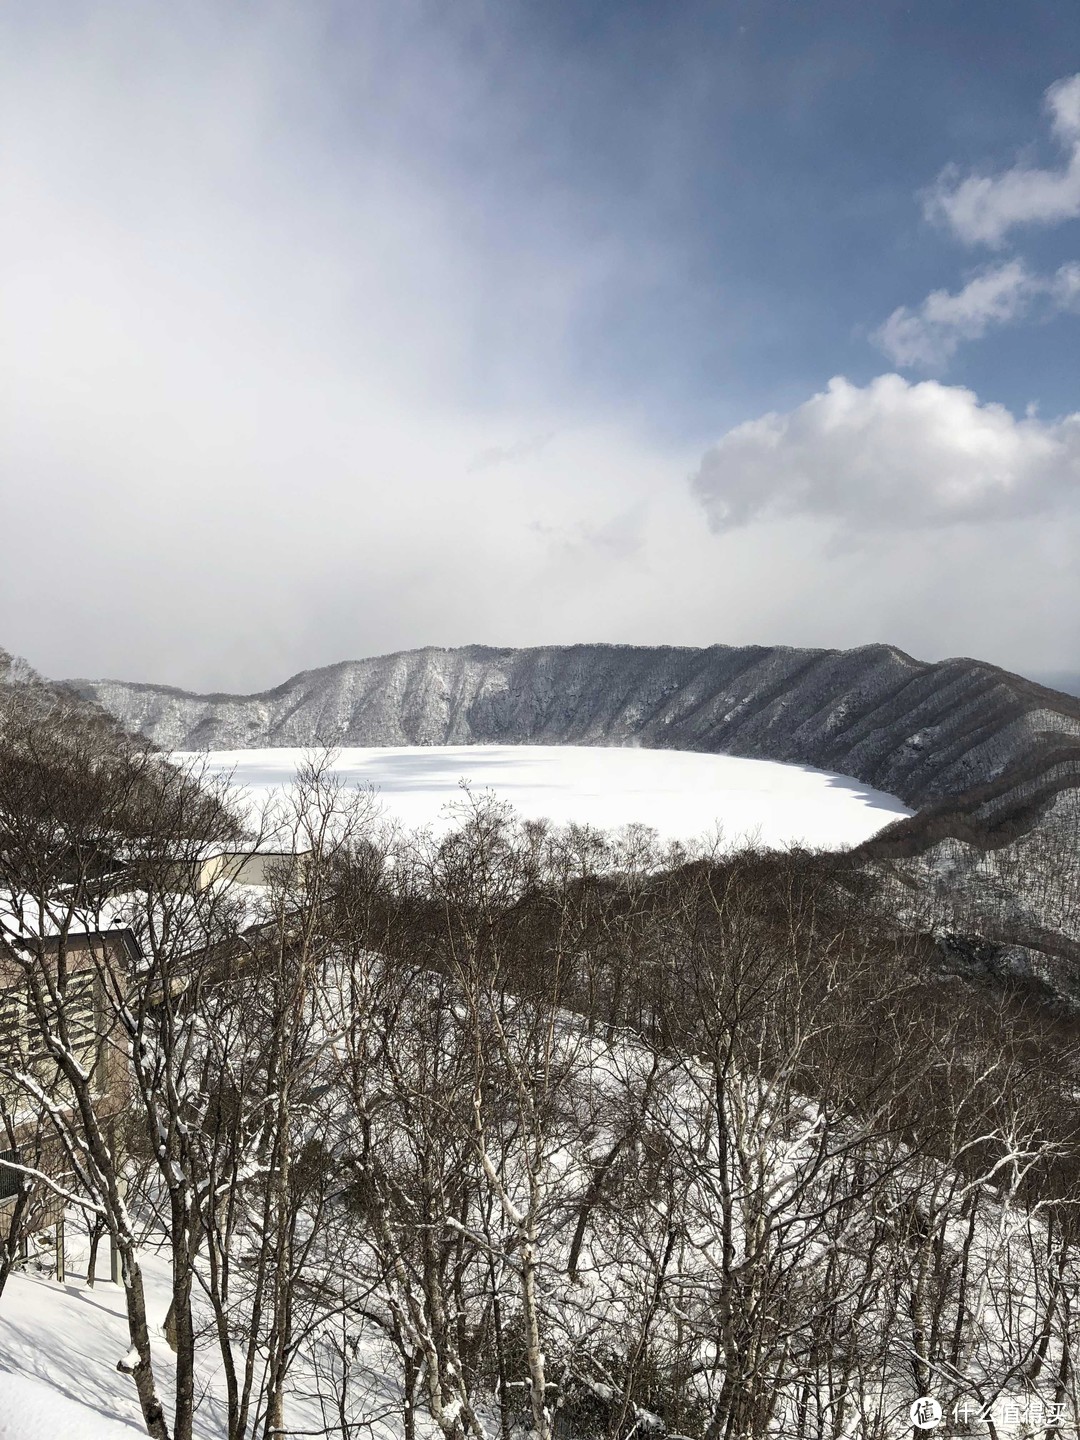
{"x":745,"y":177}
{"x":761,"y":163}
{"x":330,"y":329}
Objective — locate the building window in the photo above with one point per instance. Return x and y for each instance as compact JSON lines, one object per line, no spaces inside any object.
{"x":22,"y":1046}
{"x":12,"y":1027}
{"x":81,"y":1016}
{"x":13,"y":1037}
{"x":10,"y":1179}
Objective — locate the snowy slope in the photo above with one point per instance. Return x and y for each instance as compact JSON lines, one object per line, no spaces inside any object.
{"x":37,"y":1410}
{"x":59,"y":1345}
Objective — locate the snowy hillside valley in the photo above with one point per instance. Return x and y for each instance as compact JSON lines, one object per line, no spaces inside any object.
{"x":989,"y":761}
{"x":540,"y":720}
{"x":623,"y":1090}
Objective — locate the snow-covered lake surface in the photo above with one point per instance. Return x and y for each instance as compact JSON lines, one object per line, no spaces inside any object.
{"x":682,"y":795}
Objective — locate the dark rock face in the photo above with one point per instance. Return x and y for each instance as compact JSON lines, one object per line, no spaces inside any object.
{"x":922,"y":731}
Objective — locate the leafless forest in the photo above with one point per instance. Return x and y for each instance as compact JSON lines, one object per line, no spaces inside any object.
{"x":525,"y":1131}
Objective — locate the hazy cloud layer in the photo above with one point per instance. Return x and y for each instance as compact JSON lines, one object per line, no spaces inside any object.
{"x":892,"y":455}
{"x":511,"y":454}
{"x":287,"y":341}
{"x":984,"y":209}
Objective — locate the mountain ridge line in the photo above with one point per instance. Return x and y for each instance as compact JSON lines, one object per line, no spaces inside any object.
{"x":922,"y":730}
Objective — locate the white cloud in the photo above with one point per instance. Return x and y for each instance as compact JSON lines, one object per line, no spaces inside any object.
{"x":1066,"y":287}
{"x":982,"y":209}
{"x":929,"y":336}
{"x":891,"y":456}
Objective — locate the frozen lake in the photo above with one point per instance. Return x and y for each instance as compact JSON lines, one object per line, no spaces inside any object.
{"x":682,"y":795}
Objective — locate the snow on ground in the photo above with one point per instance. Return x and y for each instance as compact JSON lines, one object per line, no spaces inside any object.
{"x":59,"y":1345}
{"x":35,"y":1410}
{"x":682,"y":795}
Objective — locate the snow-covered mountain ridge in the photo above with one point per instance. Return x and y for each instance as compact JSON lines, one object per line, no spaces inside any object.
{"x":921,"y":731}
